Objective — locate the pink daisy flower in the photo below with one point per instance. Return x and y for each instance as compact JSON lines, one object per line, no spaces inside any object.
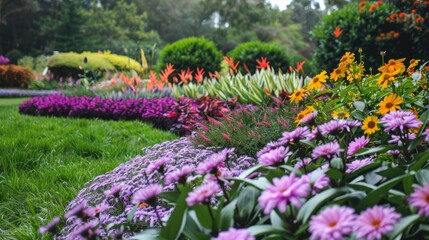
{"x":211,"y":164}
{"x":301,"y":163}
{"x":94,"y":211}
{"x":179,"y":175}
{"x":319,"y":184}
{"x":270,"y":146}
{"x":274,"y":156}
{"x":400,"y":119}
{"x":288,"y":189}
{"x":328,"y":150}
{"x":357,"y":144}
{"x":50,"y":227}
{"x":114,"y":191}
{"x":235,"y":234}
{"x":356,"y":164}
{"x":202,"y":193}
{"x":332,"y":223}
{"x":147,"y":194}
{"x":309,"y":119}
{"x":397,"y":139}
{"x":426,"y":134}
{"x":298,"y":134}
{"x":374,"y":222}
{"x":420,"y":199}
{"x":158,"y":164}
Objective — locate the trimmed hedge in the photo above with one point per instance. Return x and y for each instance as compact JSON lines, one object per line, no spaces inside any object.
{"x":247,"y":53}
{"x":15,"y":76}
{"x":191,"y":53}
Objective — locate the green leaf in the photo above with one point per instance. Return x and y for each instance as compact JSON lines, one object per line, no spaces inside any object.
{"x":131,"y":213}
{"x":381,"y":191}
{"x":358,"y":172}
{"x":260,"y":183}
{"x":203,"y":215}
{"x":359,"y":105}
{"x":177,"y":220}
{"x":249,"y":171}
{"x":402,"y":225}
{"x":422,"y":176}
{"x":260,"y":230}
{"x":370,"y":151}
{"x":421,"y":160}
{"x":334,"y":174}
{"x":227,"y":215}
{"x":171,"y":196}
{"x":315,"y":202}
{"x":148,"y":234}
{"x":276,"y":220}
{"x":193,"y":230}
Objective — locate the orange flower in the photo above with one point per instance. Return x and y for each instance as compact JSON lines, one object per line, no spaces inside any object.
{"x":318,"y":80}
{"x":338,"y":73}
{"x":393,"y":66}
{"x":230,"y":62}
{"x":262,"y":64}
{"x":199,"y":75}
{"x":390,"y":103}
{"x":299,"y":66}
{"x":395,"y":34}
{"x":372,"y":8}
{"x":337,"y":32}
{"x":401,"y":15}
{"x":185,"y":76}
{"x":152,"y":80}
{"x":414,"y":11}
{"x":166,"y":72}
{"x":419,"y":19}
{"x":384,"y":79}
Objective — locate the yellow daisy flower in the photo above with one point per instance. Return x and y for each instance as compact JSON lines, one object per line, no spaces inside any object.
{"x":413,"y":64}
{"x":369,"y":125}
{"x":318,"y":80}
{"x":298,"y":95}
{"x":340,"y":114}
{"x":346,"y":59}
{"x":355,"y":72}
{"x":303,"y":114}
{"x":384,"y":79}
{"x":338,"y":73}
{"x":390,"y":103}
{"x":393,"y":66}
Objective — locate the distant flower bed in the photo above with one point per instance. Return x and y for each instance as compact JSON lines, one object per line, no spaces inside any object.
{"x":180,"y":115}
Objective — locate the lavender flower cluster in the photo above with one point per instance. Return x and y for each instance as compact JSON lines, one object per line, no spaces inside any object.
{"x":4,"y":60}
{"x":112,"y":196}
{"x":147,"y":110}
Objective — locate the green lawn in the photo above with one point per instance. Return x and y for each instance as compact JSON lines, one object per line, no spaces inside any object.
{"x":45,"y":161}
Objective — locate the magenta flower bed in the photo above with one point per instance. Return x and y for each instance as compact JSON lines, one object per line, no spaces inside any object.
{"x":147,"y":110}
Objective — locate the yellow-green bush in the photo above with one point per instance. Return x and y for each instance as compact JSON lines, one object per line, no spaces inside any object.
{"x":121,"y":62}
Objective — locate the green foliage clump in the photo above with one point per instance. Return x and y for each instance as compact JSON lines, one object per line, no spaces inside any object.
{"x":15,"y":76}
{"x":191,"y":53}
{"x":120,"y":62}
{"x":246,"y":130}
{"x":72,"y":64}
{"x":247,"y":53}
{"x":37,"y":64}
{"x":356,"y":28}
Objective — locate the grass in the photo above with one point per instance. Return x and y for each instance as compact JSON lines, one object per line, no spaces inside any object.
{"x":45,"y":161}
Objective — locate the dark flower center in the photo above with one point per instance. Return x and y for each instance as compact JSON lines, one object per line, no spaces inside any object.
{"x":389,"y":105}
{"x":376,"y":223}
{"x":371,"y":124}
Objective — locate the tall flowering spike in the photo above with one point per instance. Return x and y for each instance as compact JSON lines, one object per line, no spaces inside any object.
{"x":420,"y":199}
{"x":286,"y":190}
{"x":147,"y":194}
{"x":202,"y":193}
{"x":263,"y":63}
{"x":235,"y":234}
{"x":332,"y":223}
{"x":230,"y":62}
{"x":357,"y":144}
{"x":375,"y":222}
{"x":328,"y":150}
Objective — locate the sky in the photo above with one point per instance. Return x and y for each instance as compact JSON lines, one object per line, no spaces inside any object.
{"x":283,"y":3}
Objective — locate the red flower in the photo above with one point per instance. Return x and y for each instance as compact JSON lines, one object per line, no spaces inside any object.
{"x":337,"y":32}
{"x":230,"y":62}
{"x":262,"y":64}
{"x":199,"y":75}
{"x":419,"y":19}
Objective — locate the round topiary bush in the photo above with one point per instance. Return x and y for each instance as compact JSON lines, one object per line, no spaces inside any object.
{"x":191,"y":53}
{"x":247,"y":53}
{"x":15,"y":76}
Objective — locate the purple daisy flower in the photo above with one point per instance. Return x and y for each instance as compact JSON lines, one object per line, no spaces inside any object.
{"x":114,"y":191}
{"x":356,"y":164}
{"x":332,"y":223}
{"x":420,"y":199}
{"x":179,"y":175}
{"x":309,"y":118}
{"x":78,"y":211}
{"x":274,"y":156}
{"x":235,"y":234}
{"x":301,"y":163}
{"x":328,"y":150}
{"x":270,"y":146}
{"x":158,"y":164}
{"x":397,"y":139}
{"x":94,"y":211}
{"x":400,"y":119}
{"x":426,"y":133}
{"x":337,"y":125}
{"x":288,"y":189}
{"x":298,"y":134}
{"x":86,"y":230}
{"x":147,"y":194}
{"x":357,"y":144}
{"x":50,"y":227}
{"x":319,"y":184}
{"x":202,"y":193}
{"x":213,"y":162}
{"x":374,"y":222}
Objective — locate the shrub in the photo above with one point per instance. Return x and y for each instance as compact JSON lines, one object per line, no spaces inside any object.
{"x":191,"y":53}
{"x":365,"y":27}
{"x":14,"y":55}
{"x":248,"y":53}
{"x":37,"y":64}
{"x":121,"y":63}
{"x":72,"y":65}
{"x":15,"y":76}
